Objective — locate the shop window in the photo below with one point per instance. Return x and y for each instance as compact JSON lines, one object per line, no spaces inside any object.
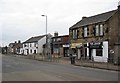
{"x":99,"y":52}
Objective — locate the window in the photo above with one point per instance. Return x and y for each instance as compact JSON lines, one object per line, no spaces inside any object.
{"x":35,"y":44}
{"x":85,"y":32}
{"x":30,"y":45}
{"x":97,"y":30}
{"x":31,"y":51}
{"x":35,"y":52}
{"x":101,"y":30}
{"x":54,"y":40}
{"x":99,"y":52}
{"x":75,"y":33}
{"x":25,"y":45}
{"x":58,"y":39}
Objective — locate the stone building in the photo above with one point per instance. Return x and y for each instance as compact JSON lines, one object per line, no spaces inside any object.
{"x":97,"y":37}
{"x":15,"y":48}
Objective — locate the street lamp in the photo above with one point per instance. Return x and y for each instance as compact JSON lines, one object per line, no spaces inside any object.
{"x":46,"y":22}
{"x":46,"y":31}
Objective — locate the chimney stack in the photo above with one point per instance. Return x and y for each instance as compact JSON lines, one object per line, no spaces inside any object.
{"x":15,"y":41}
{"x":19,"y":41}
{"x":55,"y":34}
{"x":84,"y":17}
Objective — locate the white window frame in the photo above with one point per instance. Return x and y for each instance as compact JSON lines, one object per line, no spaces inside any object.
{"x":97,"y":30}
{"x":74,"y":34}
{"x":85,"y":31}
{"x":101,"y":29}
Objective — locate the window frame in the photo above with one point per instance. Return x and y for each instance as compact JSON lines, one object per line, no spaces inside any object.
{"x":75,"y":33}
{"x":85,"y":31}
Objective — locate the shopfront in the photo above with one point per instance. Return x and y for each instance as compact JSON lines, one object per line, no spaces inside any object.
{"x":66,"y":50}
{"x":77,"y":49}
{"x":98,"y":51}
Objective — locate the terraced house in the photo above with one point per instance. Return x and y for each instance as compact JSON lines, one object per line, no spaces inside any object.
{"x":97,"y":37}
{"x":34,"y":45}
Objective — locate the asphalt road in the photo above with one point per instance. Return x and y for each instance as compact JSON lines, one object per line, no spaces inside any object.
{"x":20,"y":69}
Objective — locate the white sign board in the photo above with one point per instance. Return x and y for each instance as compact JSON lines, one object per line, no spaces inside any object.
{"x":66,"y":45}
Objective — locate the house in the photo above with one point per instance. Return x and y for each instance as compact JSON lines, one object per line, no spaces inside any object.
{"x":60,"y":45}
{"x":4,"y":50}
{"x":97,"y":37}
{"x":34,"y":45}
{"x":15,"y":48}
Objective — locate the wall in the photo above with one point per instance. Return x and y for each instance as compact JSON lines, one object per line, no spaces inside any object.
{"x":41,"y":42}
{"x":29,"y":48}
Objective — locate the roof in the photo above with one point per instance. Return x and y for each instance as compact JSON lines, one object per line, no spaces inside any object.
{"x":61,"y":36}
{"x":34,"y":39}
{"x":94,"y":19}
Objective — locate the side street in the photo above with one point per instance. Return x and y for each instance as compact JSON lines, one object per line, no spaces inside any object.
{"x":92,"y":42}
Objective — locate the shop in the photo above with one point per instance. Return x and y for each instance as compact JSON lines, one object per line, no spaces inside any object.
{"x":98,"y":51}
{"x":77,"y":49}
{"x":66,"y":50}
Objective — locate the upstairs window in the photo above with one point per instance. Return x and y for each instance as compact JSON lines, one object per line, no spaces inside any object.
{"x":85,"y":32}
{"x":35,"y":44}
{"x":30,"y":45}
{"x":101,"y":30}
{"x":97,"y":30}
{"x":75,"y":33}
{"x":59,"y":39}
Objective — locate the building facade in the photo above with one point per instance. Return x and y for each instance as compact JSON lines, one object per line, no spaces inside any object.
{"x":15,"y":48}
{"x":60,"y":45}
{"x":97,"y":37}
{"x":34,"y":45}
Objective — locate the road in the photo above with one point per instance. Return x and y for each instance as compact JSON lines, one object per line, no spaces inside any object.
{"x":21,"y":69}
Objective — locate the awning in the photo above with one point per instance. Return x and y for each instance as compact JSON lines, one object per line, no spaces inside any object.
{"x":74,"y":45}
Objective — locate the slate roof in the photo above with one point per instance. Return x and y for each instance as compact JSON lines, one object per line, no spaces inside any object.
{"x":94,"y":19}
{"x":34,"y":39}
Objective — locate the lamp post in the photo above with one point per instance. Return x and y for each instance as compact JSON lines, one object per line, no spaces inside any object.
{"x":46,"y":22}
{"x":46,"y":32}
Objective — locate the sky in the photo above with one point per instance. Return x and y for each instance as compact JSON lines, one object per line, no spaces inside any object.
{"x":21,"y":19}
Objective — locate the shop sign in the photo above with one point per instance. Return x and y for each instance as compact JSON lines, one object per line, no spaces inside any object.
{"x":95,"y":45}
{"x":67,"y":45}
{"x":74,"y":45}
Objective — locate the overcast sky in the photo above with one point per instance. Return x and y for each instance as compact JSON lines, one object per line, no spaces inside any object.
{"x":21,"y":19}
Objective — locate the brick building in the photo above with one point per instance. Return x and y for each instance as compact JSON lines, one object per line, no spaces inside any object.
{"x":97,"y":37}
{"x":60,"y":45}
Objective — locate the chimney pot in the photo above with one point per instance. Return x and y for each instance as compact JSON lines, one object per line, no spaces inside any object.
{"x":55,"y":34}
{"x":84,"y":17}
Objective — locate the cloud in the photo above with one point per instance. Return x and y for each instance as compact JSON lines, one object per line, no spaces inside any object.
{"x":21,"y":19}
